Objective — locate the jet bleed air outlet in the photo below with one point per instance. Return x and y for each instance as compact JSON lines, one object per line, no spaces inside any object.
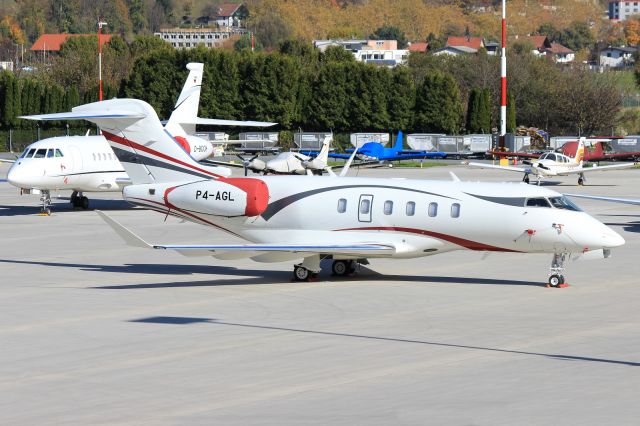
{"x":221,"y":197}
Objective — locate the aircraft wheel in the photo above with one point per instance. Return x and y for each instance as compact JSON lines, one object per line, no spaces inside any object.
{"x":526,"y":179}
{"x":555,"y":280}
{"x":84,"y":203}
{"x":340,"y":267}
{"x":301,"y":274}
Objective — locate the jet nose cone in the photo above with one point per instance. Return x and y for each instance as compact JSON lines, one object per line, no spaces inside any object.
{"x":15,"y":176}
{"x":612,"y":239}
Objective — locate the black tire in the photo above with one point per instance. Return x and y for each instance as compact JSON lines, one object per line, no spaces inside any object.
{"x":340,"y":268}
{"x":555,"y":280}
{"x":84,"y":203}
{"x":526,"y":179}
{"x":301,"y":274}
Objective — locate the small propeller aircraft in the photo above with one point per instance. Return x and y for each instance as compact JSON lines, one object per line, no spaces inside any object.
{"x":290,"y":163}
{"x":555,"y":164}
{"x":346,"y":219}
{"x":374,"y":151}
{"x":88,"y":164}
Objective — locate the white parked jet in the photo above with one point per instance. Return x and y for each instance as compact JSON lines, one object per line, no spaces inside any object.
{"x":348,"y":219}
{"x":289,"y":163}
{"x":88,"y":164}
{"x":555,"y":164}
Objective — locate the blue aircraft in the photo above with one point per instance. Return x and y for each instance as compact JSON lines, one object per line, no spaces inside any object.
{"x":374,"y":151}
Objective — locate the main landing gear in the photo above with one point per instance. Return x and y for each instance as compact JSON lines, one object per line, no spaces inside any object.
{"x":79,"y":201}
{"x":581,"y":179}
{"x":309,"y":269}
{"x":45,"y":199}
{"x":556,"y":279}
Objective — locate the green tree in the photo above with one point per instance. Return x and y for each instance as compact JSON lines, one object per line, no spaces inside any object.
{"x":401,"y":99}
{"x":8,"y":114}
{"x":327,"y":108}
{"x":438,"y":106}
{"x":577,"y":36}
{"x":337,"y":54}
{"x":389,"y":32}
{"x":138,"y":15}
{"x":71,"y":98}
{"x":479,"y":111}
{"x":270,"y":29}
{"x":511,"y":113}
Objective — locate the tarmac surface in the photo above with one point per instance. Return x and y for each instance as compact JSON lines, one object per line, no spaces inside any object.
{"x":93,"y":332}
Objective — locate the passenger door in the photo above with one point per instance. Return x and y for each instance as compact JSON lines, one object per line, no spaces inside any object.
{"x":364,"y":208}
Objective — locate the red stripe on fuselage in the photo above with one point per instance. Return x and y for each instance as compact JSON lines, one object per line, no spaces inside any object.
{"x":137,"y":146}
{"x":468,"y":244}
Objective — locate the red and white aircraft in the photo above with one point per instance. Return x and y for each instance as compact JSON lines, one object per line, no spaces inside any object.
{"x":347,"y":219}
{"x":88,"y":164}
{"x":555,"y":164}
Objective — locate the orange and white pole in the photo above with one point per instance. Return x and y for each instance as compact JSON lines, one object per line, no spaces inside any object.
{"x":503,"y":77}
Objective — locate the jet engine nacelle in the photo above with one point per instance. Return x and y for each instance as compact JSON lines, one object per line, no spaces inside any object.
{"x":222,"y":197}
{"x":198,"y":148}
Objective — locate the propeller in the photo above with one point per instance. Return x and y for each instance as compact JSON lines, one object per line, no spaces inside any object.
{"x":246,"y":162}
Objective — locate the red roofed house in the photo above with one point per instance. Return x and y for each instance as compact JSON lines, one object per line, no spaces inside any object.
{"x":53,"y":42}
{"x":554,"y":51}
{"x":466,"y":41}
{"x":419,"y":46}
{"x":230,"y":15}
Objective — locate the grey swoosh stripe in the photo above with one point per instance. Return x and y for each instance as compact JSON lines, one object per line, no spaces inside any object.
{"x":507,"y":201}
{"x":280,"y":204}
{"x":129,"y":157}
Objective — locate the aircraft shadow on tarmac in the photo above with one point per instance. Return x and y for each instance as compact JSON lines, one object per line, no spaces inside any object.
{"x":251,"y":276}
{"x":626,"y":226}
{"x":194,"y":320}
{"x":63,"y":207}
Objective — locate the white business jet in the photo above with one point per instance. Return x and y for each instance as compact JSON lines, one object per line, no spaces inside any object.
{"x":347,"y":219}
{"x":88,"y":164}
{"x":555,"y":164}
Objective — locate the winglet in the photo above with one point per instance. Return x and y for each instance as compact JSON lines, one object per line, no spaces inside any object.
{"x":129,"y":237}
{"x":345,"y":169}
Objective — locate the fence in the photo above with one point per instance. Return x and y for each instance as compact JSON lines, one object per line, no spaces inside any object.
{"x":16,"y":140}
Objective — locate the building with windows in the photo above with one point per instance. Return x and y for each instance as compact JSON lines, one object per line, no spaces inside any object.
{"x":621,"y":10}
{"x":187,"y":38}
{"x":617,"y":56}
{"x":378,"y":52}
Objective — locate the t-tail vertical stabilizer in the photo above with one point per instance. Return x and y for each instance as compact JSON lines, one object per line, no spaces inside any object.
{"x":183,"y":118}
{"x":398,"y":146}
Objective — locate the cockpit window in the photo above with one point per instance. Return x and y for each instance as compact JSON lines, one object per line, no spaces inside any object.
{"x":59,"y":153}
{"x":40,"y":153}
{"x":30,"y":153}
{"x":537,"y":202}
{"x":563,"y":203}
{"x":24,"y":153}
{"x":50,"y":153}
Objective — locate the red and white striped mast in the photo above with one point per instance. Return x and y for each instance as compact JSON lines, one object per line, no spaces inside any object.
{"x":100,"y":25}
{"x":503,"y":77}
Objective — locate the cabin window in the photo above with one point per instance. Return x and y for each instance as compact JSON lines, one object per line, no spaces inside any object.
{"x":537,"y":202}
{"x":365,"y":206}
{"x":411,"y":208}
{"x":40,"y":153}
{"x":50,"y":153}
{"x":388,"y":207}
{"x":455,"y":210}
{"x":563,"y":203}
{"x":59,"y":153}
{"x":433,"y":209}
{"x":342,"y":205}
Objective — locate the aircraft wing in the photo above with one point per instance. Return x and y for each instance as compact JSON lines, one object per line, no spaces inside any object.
{"x":83,"y":115}
{"x":493,"y":166}
{"x":408,"y":155}
{"x":609,"y":199}
{"x":514,"y":154}
{"x":251,"y":250}
{"x":223,"y":163}
{"x":219,"y":122}
{"x":596,"y":169}
{"x":338,"y":155}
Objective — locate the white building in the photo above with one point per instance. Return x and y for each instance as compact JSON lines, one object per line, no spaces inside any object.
{"x":378,"y":52}
{"x":187,"y":38}
{"x":455,"y":50}
{"x":617,"y":57}
{"x":621,"y":10}
{"x":6,"y":65}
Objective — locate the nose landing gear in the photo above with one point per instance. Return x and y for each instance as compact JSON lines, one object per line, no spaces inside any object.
{"x":45,"y":199}
{"x":556,"y":279}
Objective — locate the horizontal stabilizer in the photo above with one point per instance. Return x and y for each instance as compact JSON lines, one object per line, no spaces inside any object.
{"x":219,"y":122}
{"x":84,"y":115}
{"x":251,"y":250}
